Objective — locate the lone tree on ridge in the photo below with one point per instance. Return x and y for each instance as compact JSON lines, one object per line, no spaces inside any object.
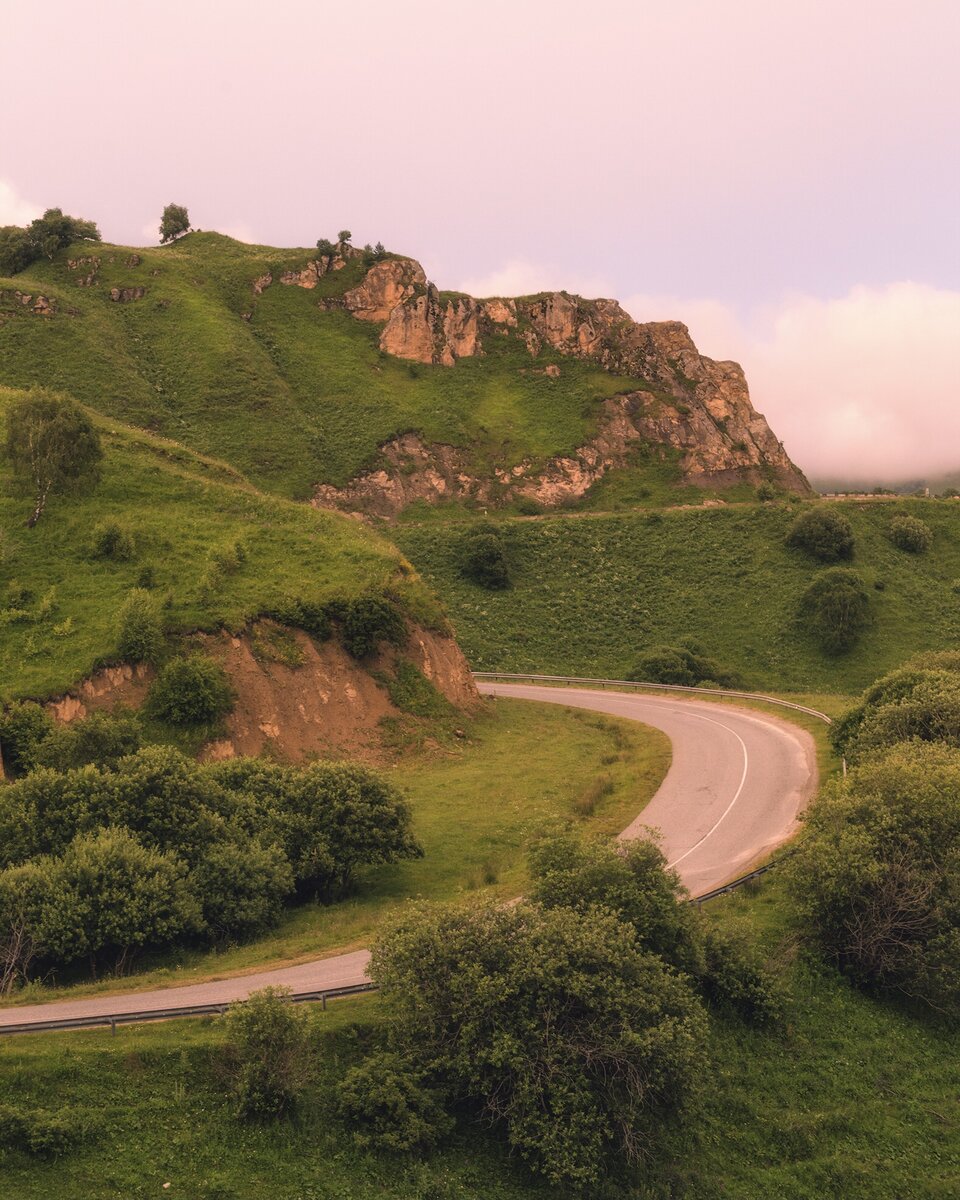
{"x":174,"y":223}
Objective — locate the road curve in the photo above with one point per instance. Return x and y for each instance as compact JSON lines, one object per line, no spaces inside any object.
{"x":737,"y":781}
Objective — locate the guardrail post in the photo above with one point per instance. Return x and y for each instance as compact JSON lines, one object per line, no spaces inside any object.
{"x":113,"y":1027}
{"x":323,"y":1001}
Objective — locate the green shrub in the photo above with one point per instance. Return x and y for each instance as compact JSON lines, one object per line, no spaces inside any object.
{"x":140,"y":631}
{"x":101,"y":739}
{"x":766,"y":491}
{"x":412,"y":693}
{"x":526,"y":506}
{"x":24,"y":727}
{"x":567,"y":1036}
{"x":241,"y":886}
{"x":911,"y":534}
{"x":876,"y":879}
{"x":483,"y":558}
{"x":267,"y":1040}
{"x":823,"y":533}
{"x":190,"y":691}
{"x":308,"y":615}
{"x":47,"y":1135}
{"x":113,"y":540}
{"x":367,"y":621}
{"x":685,"y":664}
{"x":390,"y":1106}
{"x":835,"y":609}
{"x":147,"y":576}
{"x":735,"y":978}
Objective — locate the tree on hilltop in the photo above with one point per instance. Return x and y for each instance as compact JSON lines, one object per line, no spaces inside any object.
{"x":42,"y":238}
{"x":51,"y":444}
{"x":344,"y":236}
{"x":174,"y":223}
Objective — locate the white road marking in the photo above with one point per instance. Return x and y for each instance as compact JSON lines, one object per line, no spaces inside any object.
{"x":736,"y":795}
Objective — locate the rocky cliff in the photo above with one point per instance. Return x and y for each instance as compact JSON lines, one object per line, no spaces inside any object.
{"x":696,"y":409}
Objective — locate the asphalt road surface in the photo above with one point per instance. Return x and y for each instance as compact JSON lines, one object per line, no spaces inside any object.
{"x":736,"y":784}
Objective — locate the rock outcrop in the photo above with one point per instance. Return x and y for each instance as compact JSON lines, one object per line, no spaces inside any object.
{"x":695,"y":408}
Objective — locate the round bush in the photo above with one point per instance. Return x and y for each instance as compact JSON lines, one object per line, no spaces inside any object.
{"x":140,"y":633}
{"x":822,"y":533}
{"x":190,"y":691}
{"x":911,"y":534}
{"x":113,"y":540}
{"x":835,"y":608}
{"x":267,"y":1040}
{"x":387,"y":1102}
{"x":483,"y":558}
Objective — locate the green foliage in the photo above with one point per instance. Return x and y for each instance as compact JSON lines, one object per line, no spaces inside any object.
{"x":877,"y":877}
{"x":42,"y":1134}
{"x":911,"y":534}
{"x":174,"y":223}
{"x":368,"y":621}
{"x":823,"y":533}
{"x":23,"y":729}
{"x":112,"y":539}
{"x":325,"y":248}
{"x":835,"y":608}
{"x":390,"y":1105}
{"x":587,"y":593}
{"x":568,"y":1036}
{"x":101,"y":739}
{"x":484,"y":559}
{"x":413,"y":693}
{"x":139,"y":628}
{"x":267,"y":1037}
{"x":51,"y":445}
{"x":687,"y":665}
{"x":43,"y":237}
{"x":310,"y":615}
{"x":632,"y":882}
{"x":190,"y":691}
{"x":214,"y":850}
{"x":344,"y":236}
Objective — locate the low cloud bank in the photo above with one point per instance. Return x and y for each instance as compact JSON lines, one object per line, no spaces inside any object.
{"x":864,"y":387}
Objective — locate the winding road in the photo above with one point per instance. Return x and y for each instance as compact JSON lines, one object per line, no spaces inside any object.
{"x":736,"y":784}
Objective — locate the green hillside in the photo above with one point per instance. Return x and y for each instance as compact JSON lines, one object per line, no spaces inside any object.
{"x":185,"y":514}
{"x":287,"y":392}
{"x":590,"y":592}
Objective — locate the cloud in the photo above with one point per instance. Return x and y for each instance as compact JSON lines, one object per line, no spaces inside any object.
{"x":14,"y":209}
{"x":519,"y":277}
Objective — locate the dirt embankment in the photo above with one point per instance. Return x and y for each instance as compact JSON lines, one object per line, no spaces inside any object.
{"x":328,"y":706}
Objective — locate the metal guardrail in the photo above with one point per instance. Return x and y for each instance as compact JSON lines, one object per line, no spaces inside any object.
{"x":636,"y":686}
{"x":167,"y":1014}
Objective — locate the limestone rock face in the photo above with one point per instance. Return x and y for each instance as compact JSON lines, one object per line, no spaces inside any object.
{"x":386,"y":285}
{"x":127,"y":294}
{"x":689,"y":405}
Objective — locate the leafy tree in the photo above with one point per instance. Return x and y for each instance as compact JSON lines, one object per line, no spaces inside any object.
{"x":51,"y":444}
{"x":139,"y":628}
{"x":174,"y":223}
{"x":823,"y":533}
{"x":326,"y":248}
{"x":241,"y":885}
{"x":564,"y":1032}
{"x":267,"y":1044}
{"x":911,"y":534}
{"x":42,"y":238}
{"x":483,"y":558}
{"x":55,"y":231}
{"x":877,"y":876}
{"x":835,"y":608}
{"x":344,"y":236}
{"x":190,"y":691}
{"x":16,"y":250}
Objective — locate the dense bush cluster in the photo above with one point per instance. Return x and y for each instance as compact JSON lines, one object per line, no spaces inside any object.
{"x":920,"y":700}
{"x":877,"y":876}
{"x":822,"y":533}
{"x":267,"y":1053}
{"x":42,"y":238}
{"x":97,"y":862}
{"x":686,"y":664}
{"x":573,"y":1021}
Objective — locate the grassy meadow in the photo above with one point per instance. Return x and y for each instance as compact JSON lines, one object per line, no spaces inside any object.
{"x":590,"y":592}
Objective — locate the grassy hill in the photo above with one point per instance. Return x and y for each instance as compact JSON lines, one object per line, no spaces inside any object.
{"x":591,"y":591}
{"x":186,"y":513}
{"x":288,"y":393}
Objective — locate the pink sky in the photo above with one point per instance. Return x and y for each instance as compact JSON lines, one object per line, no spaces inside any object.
{"x":783,"y":177}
